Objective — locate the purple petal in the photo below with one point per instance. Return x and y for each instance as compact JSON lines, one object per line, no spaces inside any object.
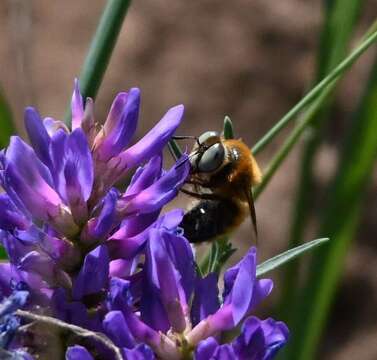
{"x":43,"y":265}
{"x":78,"y":352}
{"x":115,"y":112}
{"x":206,"y":299}
{"x":120,"y":268}
{"x":224,"y":352}
{"x":119,"y":294}
{"x":250,"y":344}
{"x":88,"y":124}
{"x":58,"y":155}
{"x":242,"y":286}
{"x":140,"y":352}
{"x":8,"y":275}
{"x":152,"y":309}
{"x":77,"y":106}
{"x":79,"y":153}
{"x":74,"y":193}
{"x":166,"y":278}
{"x":31,"y":179}
{"x":123,"y":121}
{"x":10,"y":217}
{"x":100,"y":226}
{"x":94,"y":273}
{"x":52,"y":126}
{"x":181,"y":254}
{"x":276,"y":334}
{"x":141,"y":331}
{"x":121,"y":246}
{"x":15,"y":248}
{"x":260,"y":339}
{"x":116,"y":328}
{"x":159,"y":193}
{"x":38,"y":135}
{"x":206,"y":348}
{"x":154,"y":141}
{"x":146,"y":175}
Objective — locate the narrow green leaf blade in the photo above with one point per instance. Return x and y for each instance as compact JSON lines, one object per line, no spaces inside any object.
{"x":6,"y":121}
{"x":228,"y":128}
{"x":289,"y":255}
{"x":335,"y":74}
{"x":101,"y":48}
{"x":339,"y":221}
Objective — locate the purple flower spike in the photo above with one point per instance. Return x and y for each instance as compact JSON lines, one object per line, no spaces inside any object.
{"x":96,"y":252}
{"x":78,"y":352}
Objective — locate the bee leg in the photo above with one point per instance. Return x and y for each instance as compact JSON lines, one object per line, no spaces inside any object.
{"x":201,"y":196}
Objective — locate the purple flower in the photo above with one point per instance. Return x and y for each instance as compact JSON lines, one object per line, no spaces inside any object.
{"x":105,"y":259}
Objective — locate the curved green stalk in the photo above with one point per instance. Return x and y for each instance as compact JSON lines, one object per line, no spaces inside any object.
{"x":339,"y":24}
{"x":6,"y":130}
{"x":339,"y":222}
{"x":101,"y":48}
{"x":308,"y":118}
{"x":315,"y":92}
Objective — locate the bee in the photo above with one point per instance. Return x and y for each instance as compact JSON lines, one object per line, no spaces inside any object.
{"x":223,"y":171}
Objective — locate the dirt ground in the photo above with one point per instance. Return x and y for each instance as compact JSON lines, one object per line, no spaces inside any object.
{"x":252,"y":60}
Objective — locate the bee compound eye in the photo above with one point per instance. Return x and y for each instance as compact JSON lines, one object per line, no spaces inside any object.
{"x":212,"y":158}
{"x":207,"y":135}
{"x":194,"y":158}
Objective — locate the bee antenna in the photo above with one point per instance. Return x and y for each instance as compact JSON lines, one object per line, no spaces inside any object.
{"x":185,"y":137}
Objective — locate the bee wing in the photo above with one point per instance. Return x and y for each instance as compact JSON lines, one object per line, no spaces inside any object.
{"x":253,"y":215}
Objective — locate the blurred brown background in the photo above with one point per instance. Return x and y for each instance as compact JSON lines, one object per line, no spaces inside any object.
{"x":252,"y":60}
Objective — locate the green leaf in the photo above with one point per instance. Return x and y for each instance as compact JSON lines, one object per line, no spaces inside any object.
{"x":220,"y":252}
{"x":6,"y":121}
{"x":340,"y":21}
{"x":289,"y":255}
{"x":174,"y":149}
{"x":6,"y":130}
{"x":315,"y":92}
{"x":101,"y":48}
{"x":228,"y":128}
{"x":340,"y":219}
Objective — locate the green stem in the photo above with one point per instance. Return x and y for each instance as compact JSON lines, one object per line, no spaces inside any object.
{"x":101,"y":48}
{"x":309,"y":117}
{"x":339,"y":24}
{"x":339,"y":222}
{"x":314,"y":93}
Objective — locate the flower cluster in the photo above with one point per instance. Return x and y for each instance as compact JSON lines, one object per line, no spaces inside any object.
{"x":97,"y":254}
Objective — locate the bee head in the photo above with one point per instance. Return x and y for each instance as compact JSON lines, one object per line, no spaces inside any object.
{"x":208,"y":154}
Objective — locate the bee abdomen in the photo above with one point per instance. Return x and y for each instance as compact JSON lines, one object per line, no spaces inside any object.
{"x":210,"y":219}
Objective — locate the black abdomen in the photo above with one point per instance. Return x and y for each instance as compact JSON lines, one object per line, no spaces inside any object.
{"x":209,"y":219}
